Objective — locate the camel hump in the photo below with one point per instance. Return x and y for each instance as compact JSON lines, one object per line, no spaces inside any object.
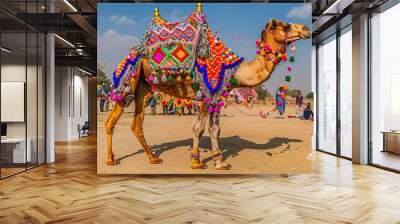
{"x":173,"y":45}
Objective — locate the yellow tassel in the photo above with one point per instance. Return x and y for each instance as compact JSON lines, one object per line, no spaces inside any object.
{"x":178,"y":79}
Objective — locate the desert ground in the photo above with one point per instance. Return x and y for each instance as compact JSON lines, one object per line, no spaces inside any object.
{"x":250,"y":143}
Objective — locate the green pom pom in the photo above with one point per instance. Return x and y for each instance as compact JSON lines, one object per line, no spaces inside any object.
{"x":170,"y":78}
{"x":234,"y":81}
{"x":195,"y":86}
{"x":288,"y":78}
{"x":291,"y":59}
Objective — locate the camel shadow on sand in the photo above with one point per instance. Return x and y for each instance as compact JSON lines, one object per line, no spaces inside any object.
{"x":230,"y":146}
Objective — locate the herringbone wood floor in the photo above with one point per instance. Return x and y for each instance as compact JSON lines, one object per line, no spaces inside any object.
{"x":69,"y":191}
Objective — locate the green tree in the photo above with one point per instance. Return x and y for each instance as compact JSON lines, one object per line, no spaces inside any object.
{"x":310,"y":95}
{"x":102,"y":78}
{"x":262,"y":93}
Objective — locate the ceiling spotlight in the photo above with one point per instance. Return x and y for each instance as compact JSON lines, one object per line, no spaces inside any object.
{"x":5,"y":50}
{"x":70,"y":5}
{"x":64,"y":40}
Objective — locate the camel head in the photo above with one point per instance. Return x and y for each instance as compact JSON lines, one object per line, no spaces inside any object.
{"x":278,"y":34}
{"x":275,"y":38}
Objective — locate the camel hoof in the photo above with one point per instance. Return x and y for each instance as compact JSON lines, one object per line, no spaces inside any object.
{"x":226,"y":167}
{"x":199,"y":166}
{"x":156,"y":161}
{"x":111,"y":161}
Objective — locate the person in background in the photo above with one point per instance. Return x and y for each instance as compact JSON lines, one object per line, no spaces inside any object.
{"x":280,"y":101}
{"x":164,"y":104}
{"x":308,"y":113}
{"x":102,"y":102}
{"x":299,"y":103}
{"x":107,"y":103}
{"x":102,"y":98}
{"x":250,"y":102}
{"x":153,"y":104}
{"x":170,"y":104}
{"x":110,"y":103}
{"x":178,"y":106}
{"x":189,"y":105}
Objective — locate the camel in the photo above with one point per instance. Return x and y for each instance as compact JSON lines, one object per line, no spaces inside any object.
{"x":273,"y":43}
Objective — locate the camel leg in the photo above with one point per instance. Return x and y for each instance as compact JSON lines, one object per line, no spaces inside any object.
{"x":214,"y":135}
{"x":142,"y":93}
{"x":109,"y":126}
{"x":198,"y":130}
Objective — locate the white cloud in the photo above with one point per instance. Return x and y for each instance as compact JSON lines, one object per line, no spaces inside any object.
{"x":300,"y":12}
{"x":113,"y":47}
{"x":175,"y":15}
{"x":122,"y":20}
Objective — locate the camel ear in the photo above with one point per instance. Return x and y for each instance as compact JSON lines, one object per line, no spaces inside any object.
{"x":271,"y":25}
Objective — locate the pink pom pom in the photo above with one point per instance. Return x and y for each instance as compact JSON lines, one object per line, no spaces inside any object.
{"x":225,"y":94}
{"x":279,"y":103}
{"x":289,"y":68}
{"x":257,"y":52}
{"x":151,"y":78}
{"x":258,"y":42}
{"x":216,"y":109}
{"x":220,"y":103}
{"x":210,"y":109}
{"x":207,"y":100}
{"x":120,"y":98}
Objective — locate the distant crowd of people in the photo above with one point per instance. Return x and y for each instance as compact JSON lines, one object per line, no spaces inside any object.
{"x":173,"y":105}
{"x":280,"y":102}
{"x":180,"y":106}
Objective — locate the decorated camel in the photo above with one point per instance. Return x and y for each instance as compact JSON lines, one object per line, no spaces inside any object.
{"x":186,"y":60}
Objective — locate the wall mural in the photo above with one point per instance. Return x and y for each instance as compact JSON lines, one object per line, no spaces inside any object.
{"x":208,"y":108}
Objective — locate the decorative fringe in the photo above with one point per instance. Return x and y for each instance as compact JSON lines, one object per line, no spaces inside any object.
{"x":203,"y":47}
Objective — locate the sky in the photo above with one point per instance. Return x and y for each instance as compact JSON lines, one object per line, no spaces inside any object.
{"x":122,"y":25}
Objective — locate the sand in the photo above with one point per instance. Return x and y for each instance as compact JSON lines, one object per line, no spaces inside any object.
{"x":250,"y":143}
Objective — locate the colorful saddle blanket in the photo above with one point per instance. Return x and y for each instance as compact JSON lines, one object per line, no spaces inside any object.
{"x":171,"y":46}
{"x":185,"y":51}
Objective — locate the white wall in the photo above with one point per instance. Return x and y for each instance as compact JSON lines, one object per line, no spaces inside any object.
{"x":71,"y":102}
